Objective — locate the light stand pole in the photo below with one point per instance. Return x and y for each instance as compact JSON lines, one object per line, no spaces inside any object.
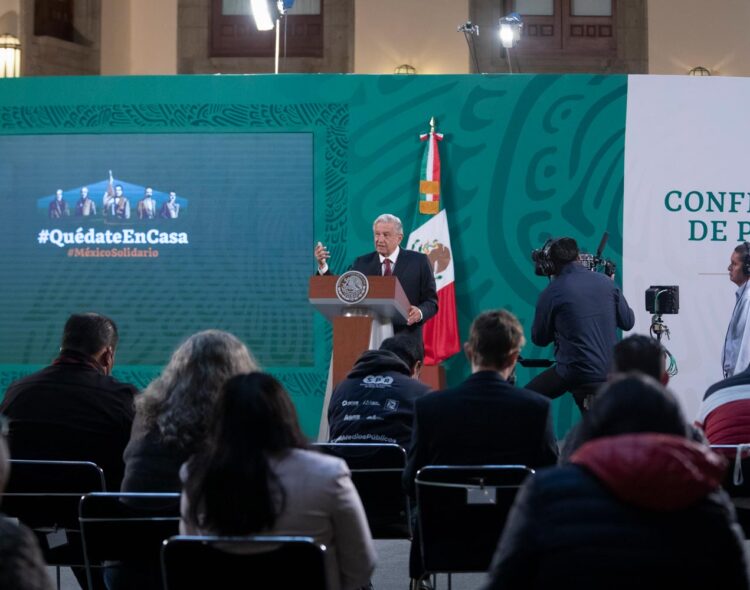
{"x":261,"y":11}
{"x":470,"y":31}
{"x":280,"y":14}
{"x":510,"y":34}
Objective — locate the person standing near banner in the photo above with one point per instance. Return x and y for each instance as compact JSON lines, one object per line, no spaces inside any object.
{"x":412,"y":269}
{"x":736,"y":354}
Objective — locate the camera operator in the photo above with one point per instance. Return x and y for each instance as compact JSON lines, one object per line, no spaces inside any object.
{"x":580,"y":312}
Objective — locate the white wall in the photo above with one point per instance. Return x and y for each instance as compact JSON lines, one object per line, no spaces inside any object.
{"x":683,"y":34}
{"x":115,"y":52}
{"x":672,"y":144}
{"x":421,"y":33}
{"x":153,"y":36}
{"x":9,"y":17}
{"x":139,"y":37}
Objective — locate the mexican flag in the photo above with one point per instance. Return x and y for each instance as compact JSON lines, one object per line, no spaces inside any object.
{"x":430,"y":236}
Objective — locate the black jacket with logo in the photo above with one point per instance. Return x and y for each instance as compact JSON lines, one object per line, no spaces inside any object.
{"x":375,"y":403}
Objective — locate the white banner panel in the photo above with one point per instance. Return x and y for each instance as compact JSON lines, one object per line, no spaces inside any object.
{"x":687,"y":205}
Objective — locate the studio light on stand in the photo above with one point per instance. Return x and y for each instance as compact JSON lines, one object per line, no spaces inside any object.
{"x":470,"y":32}
{"x":265,"y":13}
{"x":510,"y":34}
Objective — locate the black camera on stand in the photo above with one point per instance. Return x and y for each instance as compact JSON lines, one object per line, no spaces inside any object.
{"x":663,"y":299}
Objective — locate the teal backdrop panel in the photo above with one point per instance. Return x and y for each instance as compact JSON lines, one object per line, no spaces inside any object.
{"x":524,"y":157}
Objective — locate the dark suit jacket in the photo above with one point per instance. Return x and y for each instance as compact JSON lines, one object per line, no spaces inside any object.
{"x":70,"y":411}
{"x":483,"y":421}
{"x":415,"y":274}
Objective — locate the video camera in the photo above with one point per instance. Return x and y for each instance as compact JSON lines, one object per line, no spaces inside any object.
{"x":545,"y":267}
{"x":663,"y":299}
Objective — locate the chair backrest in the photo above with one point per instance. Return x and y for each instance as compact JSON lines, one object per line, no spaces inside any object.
{"x":376,"y":473}
{"x":254,"y":562}
{"x":127,"y":527}
{"x":44,"y":495}
{"x":737,"y":480}
{"x":461,"y":512}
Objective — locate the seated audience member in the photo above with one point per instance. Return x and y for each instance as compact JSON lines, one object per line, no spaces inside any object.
{"x":724,"y":413}
{"x":639,"y":505}
{"x":74,"y":409}
{"x":485,"y":419}
{"x":724,"y":418}
{"x":256,"y":475}
{"x":22,"y":566}
{"x":641,"y":353}
{"x":375,"y":403}
{"x":172,"y":413}
{"x":636,"y":353}
{"x":171,"y":421}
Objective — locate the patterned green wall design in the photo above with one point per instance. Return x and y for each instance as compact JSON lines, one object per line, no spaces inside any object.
{"x":524,"y":157}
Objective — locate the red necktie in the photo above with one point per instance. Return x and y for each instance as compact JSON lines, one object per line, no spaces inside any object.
{"x":387,"y":272}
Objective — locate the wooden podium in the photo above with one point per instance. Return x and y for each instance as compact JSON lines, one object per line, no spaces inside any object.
{"x":360,"y":326}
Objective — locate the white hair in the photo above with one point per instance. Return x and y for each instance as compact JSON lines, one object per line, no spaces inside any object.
{"x":388,"y":218}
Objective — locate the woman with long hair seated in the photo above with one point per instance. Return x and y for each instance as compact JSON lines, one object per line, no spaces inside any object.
{"x":171,"y":420}
{"x":172,"y":414}
{"x":256,"y":475}
{"x":639,"y":505}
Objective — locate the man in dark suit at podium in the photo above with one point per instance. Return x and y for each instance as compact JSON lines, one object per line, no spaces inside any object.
{"x":413,"y":270}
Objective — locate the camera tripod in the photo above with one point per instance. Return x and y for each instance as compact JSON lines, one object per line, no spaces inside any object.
{"x":658,"y":327}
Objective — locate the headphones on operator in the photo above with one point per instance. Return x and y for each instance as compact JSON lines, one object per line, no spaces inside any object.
{"x":545,"y":265}
{"x":746,"y":259}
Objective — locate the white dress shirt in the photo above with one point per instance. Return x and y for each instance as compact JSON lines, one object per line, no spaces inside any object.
{"x":736,"y":357}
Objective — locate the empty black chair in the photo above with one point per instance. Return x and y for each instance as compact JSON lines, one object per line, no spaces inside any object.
{"x":126,"y":530}
{"x":376,"y":473}
{"x":461,"y":512}
{"x":251,"y":563}
{"x":44,"y":495}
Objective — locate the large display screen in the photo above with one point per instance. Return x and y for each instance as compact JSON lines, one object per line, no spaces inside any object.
{"x":166,"y":234}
